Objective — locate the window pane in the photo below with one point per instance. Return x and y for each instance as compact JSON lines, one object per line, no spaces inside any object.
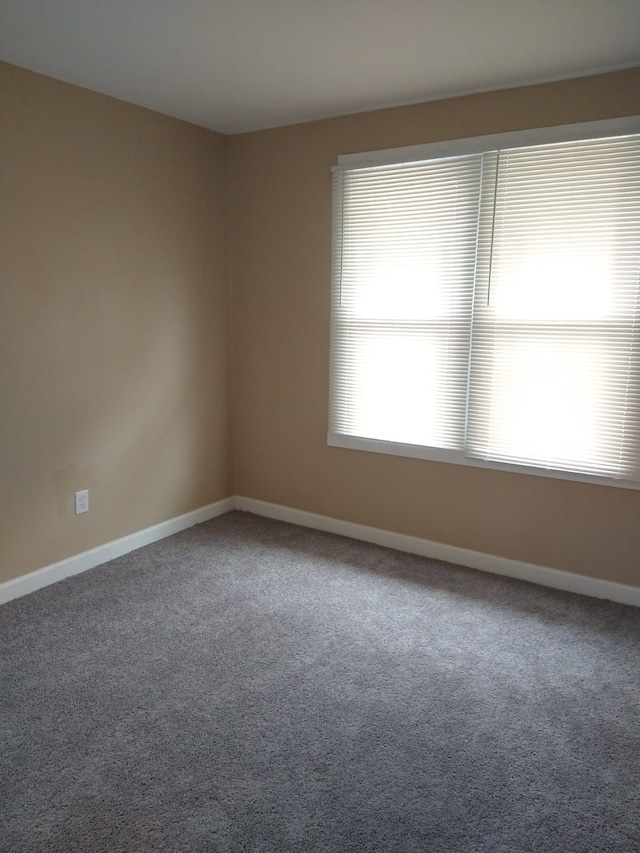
{"x":404,"y":255}
{"x":555,"y":356}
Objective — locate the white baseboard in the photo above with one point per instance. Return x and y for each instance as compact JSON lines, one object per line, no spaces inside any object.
{"x":542,"y":575}
{"x":109,"y":551}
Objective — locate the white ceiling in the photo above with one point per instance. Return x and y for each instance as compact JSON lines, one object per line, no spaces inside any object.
{"x":236,"y":65}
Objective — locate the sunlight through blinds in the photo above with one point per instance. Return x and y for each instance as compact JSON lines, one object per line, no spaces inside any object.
{"x":555,"y":366}
{"x":404,"y":255}
{"x":488,"y":305}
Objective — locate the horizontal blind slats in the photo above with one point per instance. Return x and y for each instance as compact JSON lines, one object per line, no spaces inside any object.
{"x":555,"y":364}
{"x":402,"y":299}
{"x":537,"y":251}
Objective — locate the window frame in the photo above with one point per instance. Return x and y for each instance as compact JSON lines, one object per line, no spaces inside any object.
{"x":459,"y":147}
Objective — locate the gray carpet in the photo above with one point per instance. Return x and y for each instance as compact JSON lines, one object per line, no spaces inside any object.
{"x":248,"y":685}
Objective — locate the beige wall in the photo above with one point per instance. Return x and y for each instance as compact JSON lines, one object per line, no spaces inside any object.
{"x":113,"y":319}
{"x":280,"y":211}
{"x":113,"y":335}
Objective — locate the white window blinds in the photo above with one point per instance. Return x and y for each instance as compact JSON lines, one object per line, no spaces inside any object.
{"x":555,"y":371}
{"x":488,"y":305}
{"x":404,"y":249}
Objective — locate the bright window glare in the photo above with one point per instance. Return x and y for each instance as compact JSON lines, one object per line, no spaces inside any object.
{"x":488,"y":305}
{"x":388,"y":369}
{"x":546,"y":400}
{"x":554,"y":286}
{"x":401,"y":290}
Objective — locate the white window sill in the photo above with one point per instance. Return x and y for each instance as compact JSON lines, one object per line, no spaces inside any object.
{"x":456,"y":457}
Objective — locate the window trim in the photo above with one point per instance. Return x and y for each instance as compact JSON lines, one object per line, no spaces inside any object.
{"x":455,"y":148}
{"x":481,"y":144}
{"x":457,"y":457}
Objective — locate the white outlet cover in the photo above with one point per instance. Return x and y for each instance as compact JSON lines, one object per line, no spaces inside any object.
{"x":82,"y":501}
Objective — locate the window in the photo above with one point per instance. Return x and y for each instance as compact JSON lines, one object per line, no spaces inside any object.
{"x":486,"y":302}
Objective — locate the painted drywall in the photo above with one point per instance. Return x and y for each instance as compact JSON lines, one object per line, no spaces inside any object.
{"x":113,"y":332}
{"x":114,"y":314}
{"x":280,"y":217}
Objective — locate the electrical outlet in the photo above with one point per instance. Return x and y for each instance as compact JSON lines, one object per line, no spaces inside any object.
{"x":82,"y":501}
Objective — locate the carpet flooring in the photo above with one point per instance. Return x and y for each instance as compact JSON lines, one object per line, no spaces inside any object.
{"x":249,"y":685}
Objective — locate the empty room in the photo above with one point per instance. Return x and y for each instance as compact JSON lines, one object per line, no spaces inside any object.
{"x":320,"y":426}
